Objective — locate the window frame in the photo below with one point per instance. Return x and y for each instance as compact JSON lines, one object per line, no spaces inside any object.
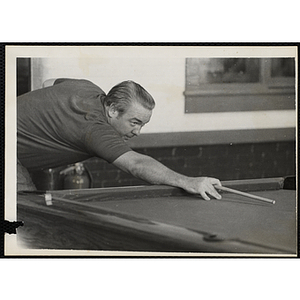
{"x":256,"y":96}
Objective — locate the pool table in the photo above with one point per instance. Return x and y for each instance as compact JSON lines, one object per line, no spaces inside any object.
{"x":162,"y":219}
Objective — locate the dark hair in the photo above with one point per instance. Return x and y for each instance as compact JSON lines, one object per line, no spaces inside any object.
{"x":124,"y":93}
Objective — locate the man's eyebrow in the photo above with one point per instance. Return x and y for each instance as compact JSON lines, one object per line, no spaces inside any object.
{"x":136,"y":120}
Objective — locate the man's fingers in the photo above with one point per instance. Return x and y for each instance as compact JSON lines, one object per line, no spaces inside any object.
{"x":216,"y":181}
{"x":216,"y":195}
{"x":204,"y":196}
{"x":211,"y":190}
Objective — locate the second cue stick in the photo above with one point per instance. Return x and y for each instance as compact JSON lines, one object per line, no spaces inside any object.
{"x":226,"y":189}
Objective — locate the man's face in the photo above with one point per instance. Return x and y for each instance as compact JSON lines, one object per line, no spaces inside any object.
{"x":130,"y":123}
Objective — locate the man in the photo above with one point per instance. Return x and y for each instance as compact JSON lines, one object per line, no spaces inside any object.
{"x":73,"y":120}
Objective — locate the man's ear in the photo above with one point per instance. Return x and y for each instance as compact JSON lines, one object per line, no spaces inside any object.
{"x":112,"y":111}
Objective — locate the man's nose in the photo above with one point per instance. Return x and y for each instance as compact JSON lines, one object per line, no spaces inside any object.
{"x":137,"y":131}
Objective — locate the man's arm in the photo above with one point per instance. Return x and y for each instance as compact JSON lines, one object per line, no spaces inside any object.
{"x":148,"y":169}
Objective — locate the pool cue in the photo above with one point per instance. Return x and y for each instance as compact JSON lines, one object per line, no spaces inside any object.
{"x":226,"y":189}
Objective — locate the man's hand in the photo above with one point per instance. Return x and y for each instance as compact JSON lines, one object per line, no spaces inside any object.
{"x":202,"y":186}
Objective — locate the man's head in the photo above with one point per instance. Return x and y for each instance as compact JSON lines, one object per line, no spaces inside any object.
{"x":126,"y":92}
{"x":128,"y":107}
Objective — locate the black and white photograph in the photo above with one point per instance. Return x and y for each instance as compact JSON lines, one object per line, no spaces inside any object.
{"x":144,"y":151}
